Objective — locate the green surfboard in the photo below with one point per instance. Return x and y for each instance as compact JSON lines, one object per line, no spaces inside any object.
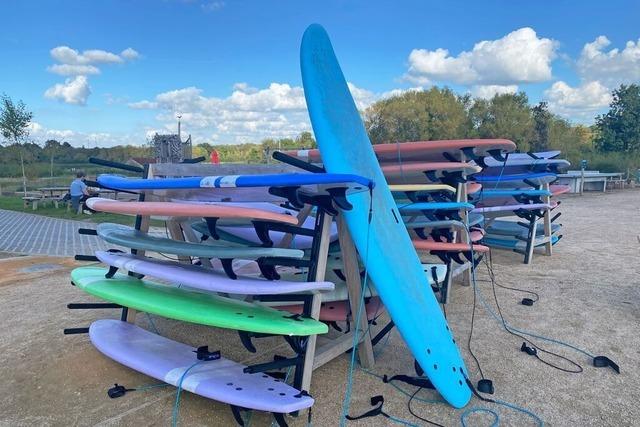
{"x":189,"y":306}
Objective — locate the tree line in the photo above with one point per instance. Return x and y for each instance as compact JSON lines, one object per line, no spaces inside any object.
{"x":612,"y":143}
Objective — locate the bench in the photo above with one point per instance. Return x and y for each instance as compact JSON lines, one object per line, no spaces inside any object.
{"x":31,"y":200}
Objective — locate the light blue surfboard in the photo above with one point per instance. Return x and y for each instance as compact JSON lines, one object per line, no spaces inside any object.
{"x":383,"y":242}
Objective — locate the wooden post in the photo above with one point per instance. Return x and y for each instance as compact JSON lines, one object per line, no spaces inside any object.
{"x":302,"y":216}
{"x":321,"y":267}
{"x":354,"y":287}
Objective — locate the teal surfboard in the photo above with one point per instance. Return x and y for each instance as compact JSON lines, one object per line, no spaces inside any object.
{"x":382,"y":240}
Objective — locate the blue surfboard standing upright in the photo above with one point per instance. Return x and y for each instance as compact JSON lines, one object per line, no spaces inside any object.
{"x":382,"y":239}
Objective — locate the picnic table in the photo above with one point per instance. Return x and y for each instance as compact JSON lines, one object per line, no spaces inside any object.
{"x":575,"y":180}
{"x":54,"y":191}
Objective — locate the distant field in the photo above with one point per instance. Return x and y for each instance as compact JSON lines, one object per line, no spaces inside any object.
{"x":14,"y":203}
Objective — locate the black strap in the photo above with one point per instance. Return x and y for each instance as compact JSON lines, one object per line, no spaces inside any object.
{"x":604,"y":362}
{"x":118,"y":391}
{"x":415,"y":381}
{"x":375,"y":400}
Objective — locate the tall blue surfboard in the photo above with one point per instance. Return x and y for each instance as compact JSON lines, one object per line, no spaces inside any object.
{"x":383,"y":243}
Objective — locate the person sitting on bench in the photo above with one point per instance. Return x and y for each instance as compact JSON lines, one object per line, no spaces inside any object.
{"x":79,"y":191}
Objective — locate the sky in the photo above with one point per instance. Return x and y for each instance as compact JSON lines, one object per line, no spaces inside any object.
{"x":103,"y":73}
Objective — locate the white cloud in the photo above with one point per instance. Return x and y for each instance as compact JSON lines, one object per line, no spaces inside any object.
{"x":40,"y":133}
{"x":212,"y":6}
{"x":143,"y":105}
{"x":248,"y":114}
{"x":73,"y":63}
{"x":489,"y":91}
{"x":73,"y":70}
{"x":66,"y":55}
{"x":578,"y":103}
{"x":612,"y":67}
{"x":130,"y":54}
{"x":73,"y":91}
{"x":519,"y":57}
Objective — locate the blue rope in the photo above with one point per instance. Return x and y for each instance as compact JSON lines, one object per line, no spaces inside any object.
{"x":354,"y":346}
{"x":153,"y":325}
{"x":511,"y":328}
{"x":176,"y":405}
{"x":494,"y":422}
{"x":536,"y":418}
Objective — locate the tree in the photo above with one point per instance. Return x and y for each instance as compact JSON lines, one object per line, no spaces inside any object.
{"x":541,"y":122}
{"x":504,"y":116}
{"x":418,"y":116}
{"x":619,"y":129}
{"x":14,"y":125}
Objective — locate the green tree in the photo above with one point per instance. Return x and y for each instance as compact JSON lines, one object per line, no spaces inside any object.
{"x":619,"y":129}
{"x":417,"y":116}
{"x":504,"y":116}
{"x":541,"y":122}
{"x":14,"y":125}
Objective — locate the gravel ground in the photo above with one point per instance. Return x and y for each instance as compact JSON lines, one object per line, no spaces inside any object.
{"x":589,"y":296}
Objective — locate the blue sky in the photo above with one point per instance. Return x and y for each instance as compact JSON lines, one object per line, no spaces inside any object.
{"x":111,"y":72}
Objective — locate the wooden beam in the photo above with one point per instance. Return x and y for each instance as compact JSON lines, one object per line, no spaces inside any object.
{"x":323,"y":252}
{"x":354,"y":287}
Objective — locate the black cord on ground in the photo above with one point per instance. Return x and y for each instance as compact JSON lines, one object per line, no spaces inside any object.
{"x":492,"y":276}
{"x":536,"y":347}
{"x":473,"y":316}
{"x":433,"y":423}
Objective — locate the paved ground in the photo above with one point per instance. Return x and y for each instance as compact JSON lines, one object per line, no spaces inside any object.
{"x":589,"y":296}
{"x":40,"y":235}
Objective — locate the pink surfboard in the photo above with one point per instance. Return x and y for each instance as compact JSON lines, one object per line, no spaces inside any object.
{"x":413,"y":172}
{"x":185,"y":210}
{"x":426,"y":245}
{"x":557,"y":189}
{"x":423,"y":150}
{"x":340,"y":311}
{"x":473,"y":187}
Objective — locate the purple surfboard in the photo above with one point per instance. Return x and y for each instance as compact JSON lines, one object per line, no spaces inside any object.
{"x":509,"y":208}
{"x":206,"y":279}
{"x":166,"y":360}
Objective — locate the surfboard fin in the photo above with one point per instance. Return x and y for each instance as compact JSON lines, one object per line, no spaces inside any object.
{"x":227,"y":266}
{"x":497,"y":154}
{"x":339,"y":195}
{"x":211,"y":226}
{"x":290,"y":193}
{"x":237,"y":414}
{"x":262,"y":231}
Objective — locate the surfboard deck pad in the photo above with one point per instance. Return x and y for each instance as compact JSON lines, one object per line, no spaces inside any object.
{"x":189,"y":306}
{"x":167,"y":360}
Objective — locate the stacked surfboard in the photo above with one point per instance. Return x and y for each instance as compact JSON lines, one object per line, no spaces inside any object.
{"x":517,"y":201}
{"x":196,"y":286}
{"x":430,"y":182}
{"x":246,"y":255}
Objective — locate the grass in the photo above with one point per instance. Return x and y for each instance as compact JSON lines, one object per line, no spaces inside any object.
{"x":14,"y":203}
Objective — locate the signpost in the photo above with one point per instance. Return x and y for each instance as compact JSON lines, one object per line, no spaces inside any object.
{"x":583,"y":166}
